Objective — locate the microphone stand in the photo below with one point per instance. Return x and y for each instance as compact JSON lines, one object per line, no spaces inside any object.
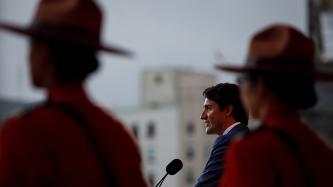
{"x":161,"y":181}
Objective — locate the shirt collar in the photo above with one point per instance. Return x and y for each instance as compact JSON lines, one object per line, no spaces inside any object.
{"x":230,"y":127}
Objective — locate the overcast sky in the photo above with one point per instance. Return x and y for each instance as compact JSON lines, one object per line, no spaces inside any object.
{"x":162,"y":33}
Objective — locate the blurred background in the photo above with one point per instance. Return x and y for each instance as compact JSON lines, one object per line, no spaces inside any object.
{"x":158,"y":93}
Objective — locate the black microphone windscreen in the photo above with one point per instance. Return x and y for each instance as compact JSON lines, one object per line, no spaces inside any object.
{"x":174,"y":166}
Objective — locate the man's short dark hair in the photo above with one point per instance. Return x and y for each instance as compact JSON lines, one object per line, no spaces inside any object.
{"x":225,"y":94}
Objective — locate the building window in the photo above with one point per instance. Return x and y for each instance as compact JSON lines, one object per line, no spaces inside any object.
{"x":151,"y":155}
{"x":151,"y":178}
{"x":190,"y":153}
{"x":135,"y":130}
{"x":158,"y":79}
{"x":190,"y":177}
{"x":190,"y":128}
{"x":151,"y":130}
{"x":207,"y":150}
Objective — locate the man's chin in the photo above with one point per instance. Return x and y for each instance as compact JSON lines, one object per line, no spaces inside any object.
{"x":209,"y":131}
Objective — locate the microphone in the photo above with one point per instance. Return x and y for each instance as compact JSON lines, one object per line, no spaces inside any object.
{"x":172,"y":168}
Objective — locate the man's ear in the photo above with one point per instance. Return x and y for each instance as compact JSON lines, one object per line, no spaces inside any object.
{"x":228,"y":110}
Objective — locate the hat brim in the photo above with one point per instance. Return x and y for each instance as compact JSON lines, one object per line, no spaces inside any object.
{"x":32,"y":32}
{"x":319,"y":75}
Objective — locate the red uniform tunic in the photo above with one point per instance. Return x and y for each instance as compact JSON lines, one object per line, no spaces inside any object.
{"x":263,"y":159}
{"x":46,"y":147}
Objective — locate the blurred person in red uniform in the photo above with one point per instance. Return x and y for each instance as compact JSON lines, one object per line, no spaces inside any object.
{"x":276,"y":82}
{"x":68,"y":141}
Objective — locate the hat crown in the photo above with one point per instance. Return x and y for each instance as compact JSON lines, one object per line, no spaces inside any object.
{"x":82,"y":15}
{"x":281,"y":50}
{"x":281,"y":41}
{"x":75,"y":21}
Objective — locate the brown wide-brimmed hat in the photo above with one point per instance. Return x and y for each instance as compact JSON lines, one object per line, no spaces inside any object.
{"x":280,"y":49}
{"x":75,"y":21}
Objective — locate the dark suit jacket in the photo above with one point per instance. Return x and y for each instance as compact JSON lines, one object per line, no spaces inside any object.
{"x":215,"y":164}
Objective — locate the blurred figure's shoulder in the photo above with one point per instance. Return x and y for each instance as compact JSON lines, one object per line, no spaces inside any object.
{"x":32,"y":115}
{"x":22,"y":114}
{"x":257,"y":141}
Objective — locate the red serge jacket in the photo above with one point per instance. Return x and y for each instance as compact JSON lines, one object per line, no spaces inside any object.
{"x":46,"y":147}
{"x":262,"y":159}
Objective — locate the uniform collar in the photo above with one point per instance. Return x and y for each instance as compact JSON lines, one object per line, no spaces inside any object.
{"x":68,"y":94}
{"x":280,"y":120}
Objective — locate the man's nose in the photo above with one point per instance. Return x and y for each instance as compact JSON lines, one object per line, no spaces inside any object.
{"x":203,"y":115}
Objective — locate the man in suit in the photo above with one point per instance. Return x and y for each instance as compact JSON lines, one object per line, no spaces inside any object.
{"x":225,"y":116}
